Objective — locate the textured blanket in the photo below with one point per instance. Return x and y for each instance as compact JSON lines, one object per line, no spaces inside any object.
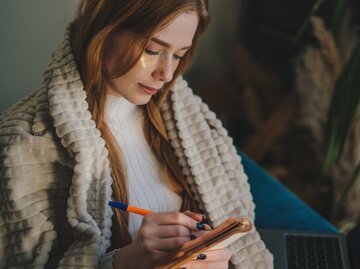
{"x":55,"y":177}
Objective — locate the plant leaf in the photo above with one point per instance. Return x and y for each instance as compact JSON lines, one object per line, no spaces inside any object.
{"x":351,"y":183}
{"x":338,"y":16}
{"x":315,"y":8}
{"x":343,"y":107}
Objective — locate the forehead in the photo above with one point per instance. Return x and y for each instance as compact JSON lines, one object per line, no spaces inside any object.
{"x":180,"y":31}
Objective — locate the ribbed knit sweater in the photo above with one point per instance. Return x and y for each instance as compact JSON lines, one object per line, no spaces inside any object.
{"x":55,"y":177}
{"x":147,"y":187}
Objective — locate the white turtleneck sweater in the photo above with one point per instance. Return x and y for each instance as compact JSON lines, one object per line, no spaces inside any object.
{"x":147,"y":188}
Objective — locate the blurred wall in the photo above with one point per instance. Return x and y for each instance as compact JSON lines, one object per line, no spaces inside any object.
{"x":31,"y":30}
{"x":215,"y":53}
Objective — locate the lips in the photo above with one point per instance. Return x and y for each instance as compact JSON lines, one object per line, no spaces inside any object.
{"x":149,"y":90}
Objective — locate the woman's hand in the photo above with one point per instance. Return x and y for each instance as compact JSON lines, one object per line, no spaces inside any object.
{"x":160,"y":234}
{"x":212,"y":259}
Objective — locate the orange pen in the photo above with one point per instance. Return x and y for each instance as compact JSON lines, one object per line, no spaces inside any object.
{"x":143,"y":212}
{"x":130,"y":208}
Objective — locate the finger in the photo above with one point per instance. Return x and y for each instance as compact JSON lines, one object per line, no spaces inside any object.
{"x":218,"y":254}
{"x":166,"y":244}
{"x":197,"y":234}
{"x":211,"y":259}
{"x":171,"y":231}
{"x":168,"y":218}
{"x":203,"y":226}
{"x":158,"y":255}
{"x":199,"y":217}
{"x":200,"y":264}
{"x":196,"y":216}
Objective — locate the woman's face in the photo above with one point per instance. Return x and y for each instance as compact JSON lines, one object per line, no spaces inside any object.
{"x":158,"y":62}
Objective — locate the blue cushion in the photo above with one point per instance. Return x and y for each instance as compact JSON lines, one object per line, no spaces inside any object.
{"x":276,"y":206}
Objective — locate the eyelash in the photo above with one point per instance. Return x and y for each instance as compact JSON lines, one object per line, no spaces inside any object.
{"x":151,"y":52}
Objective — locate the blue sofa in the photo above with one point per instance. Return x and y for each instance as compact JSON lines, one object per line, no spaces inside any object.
{"x":276,"y":206}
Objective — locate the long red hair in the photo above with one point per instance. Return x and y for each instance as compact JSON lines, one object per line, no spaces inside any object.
{"x":96,"y":24}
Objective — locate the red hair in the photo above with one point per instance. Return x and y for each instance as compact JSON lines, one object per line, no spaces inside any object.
{"x":97,"y":23}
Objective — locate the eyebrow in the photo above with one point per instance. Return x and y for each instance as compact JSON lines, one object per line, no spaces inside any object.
{"x":165,"y":44}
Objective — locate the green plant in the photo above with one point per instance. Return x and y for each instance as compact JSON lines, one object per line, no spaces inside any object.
{"x":345,"y":101}
{"x":315,"y":8}
{"x":338,"y":16}
{"x":344,"y":105}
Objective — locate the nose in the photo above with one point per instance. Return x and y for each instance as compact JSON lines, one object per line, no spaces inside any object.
{"x":165,"y":69}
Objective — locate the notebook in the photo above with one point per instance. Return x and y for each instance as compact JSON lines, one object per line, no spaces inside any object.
{"x":220,"y":237}
{"x":307,"y":249}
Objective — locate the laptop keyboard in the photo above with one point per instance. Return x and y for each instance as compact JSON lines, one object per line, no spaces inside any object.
{"x":313,"y":252}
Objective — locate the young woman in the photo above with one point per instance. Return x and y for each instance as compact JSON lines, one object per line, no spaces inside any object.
{"x":114,"y":120}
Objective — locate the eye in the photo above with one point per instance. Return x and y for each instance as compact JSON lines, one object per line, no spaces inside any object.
{"x":178,"y":57}
{"x":151,"y":52}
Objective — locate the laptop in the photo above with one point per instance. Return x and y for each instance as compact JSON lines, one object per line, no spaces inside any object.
{"x":312,"y":250}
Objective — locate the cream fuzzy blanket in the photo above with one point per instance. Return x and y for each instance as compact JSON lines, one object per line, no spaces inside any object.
{"x":55,"y":177}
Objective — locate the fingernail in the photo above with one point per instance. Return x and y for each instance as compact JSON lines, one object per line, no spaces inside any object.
{"x":200,"y":226}
{"x":192,"y":237}
{"x":201,"y":256}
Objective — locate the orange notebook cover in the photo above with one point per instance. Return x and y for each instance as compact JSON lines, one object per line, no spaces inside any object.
{"x":222,"y":236}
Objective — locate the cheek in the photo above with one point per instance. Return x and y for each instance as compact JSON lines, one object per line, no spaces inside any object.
{"x":175,"y":66}
{"x":146,"y":62}
{"x":138,"y":73}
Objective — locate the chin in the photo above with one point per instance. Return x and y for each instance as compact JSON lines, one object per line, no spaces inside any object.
{"x":141,"y":100}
